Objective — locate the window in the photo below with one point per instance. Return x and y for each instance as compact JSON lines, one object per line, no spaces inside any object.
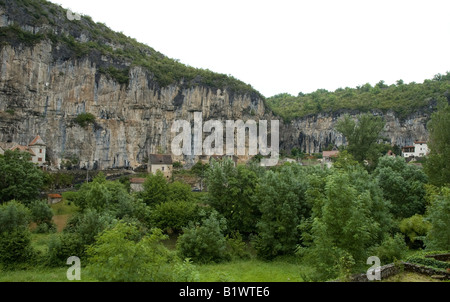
{"x":162,"y":169}
{"x":40,"y":150}
{"x":40,"y":159}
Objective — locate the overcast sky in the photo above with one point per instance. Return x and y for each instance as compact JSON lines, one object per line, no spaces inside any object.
{"x":289,"y":45}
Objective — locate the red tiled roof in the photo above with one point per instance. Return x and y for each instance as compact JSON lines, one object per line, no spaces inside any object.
{"x":330,"y":153}
{"x":37,"y":141}
{"x":54,"y":196}
{"x":23,"y":149}
{"x":137,"y":180}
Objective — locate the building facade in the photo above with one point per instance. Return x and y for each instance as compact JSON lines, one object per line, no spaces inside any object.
{"x":418,"y":149}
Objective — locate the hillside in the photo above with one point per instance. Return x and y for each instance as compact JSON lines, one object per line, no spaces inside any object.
{"x":33,"y":21}
{"x":403,"y":99}
{"x":97,"y":97}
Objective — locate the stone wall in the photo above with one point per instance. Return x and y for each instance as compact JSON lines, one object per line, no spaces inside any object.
{"x":391,"y":270}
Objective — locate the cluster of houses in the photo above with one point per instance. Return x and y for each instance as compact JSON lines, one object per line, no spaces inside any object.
{"x":163,"y":162}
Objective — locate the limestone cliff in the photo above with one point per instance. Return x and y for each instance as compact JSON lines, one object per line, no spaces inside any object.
{"x":53,"y":69}
{"x":312,"y":134}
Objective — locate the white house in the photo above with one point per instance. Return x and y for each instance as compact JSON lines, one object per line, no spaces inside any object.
{"x":419,"y":149}
{"x":37,"y":150}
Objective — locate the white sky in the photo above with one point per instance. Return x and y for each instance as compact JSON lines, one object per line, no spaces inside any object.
{"x":290,"y":46}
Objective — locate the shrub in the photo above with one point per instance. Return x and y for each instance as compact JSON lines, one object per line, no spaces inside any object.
{"x":15,"y":248}
{"x":174,"y":215}
{"x":121,"y":255}
{"x":414,"y":227}
{"x":205,"y":242}
{"x":391,"y":249}
{"x":42,"y":214}
{"x":62,"y":246}
{"x":83,"y":119}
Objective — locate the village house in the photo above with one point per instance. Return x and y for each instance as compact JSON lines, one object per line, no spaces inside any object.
{"x":418,"y":149}
{"x":327,"y":157}
{"x":161,"y":162}
{"x":137,"y":184}
{"x":37,"y":149}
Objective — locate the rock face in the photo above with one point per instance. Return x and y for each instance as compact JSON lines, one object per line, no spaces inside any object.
{"x":43,"y":89}
{"x":314,"y":133}
{"x":41,"y":96}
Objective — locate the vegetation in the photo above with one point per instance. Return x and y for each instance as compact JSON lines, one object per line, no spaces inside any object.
{"x":164,"y":71}
{"x":20,"y":179}
{"x":437,"y":164}
{"x":83,"y":119}
{"x":401,"y":98}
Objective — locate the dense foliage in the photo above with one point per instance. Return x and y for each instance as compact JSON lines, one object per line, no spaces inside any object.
{"x":401,"y":98}
{"x":20,"y":179}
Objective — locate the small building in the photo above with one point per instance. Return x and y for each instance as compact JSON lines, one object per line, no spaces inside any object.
{"x":161,"y":162}
{"x":38,"y":147}
{"x":418,"y":149}
{"x":137,"y":184}
{"x":54,"y":198}
{"x":37,"y":150}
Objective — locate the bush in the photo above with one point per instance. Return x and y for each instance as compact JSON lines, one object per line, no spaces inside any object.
{"x":174,"y":215}
{"x":391,"y":249}
{"x":15,"y":248}
{"x":83,"y":119}
{"x":415,"y":228}
{"x":121,"y":255}
{"x":62,"y":246}
{"x":42,"y":215}
{"x":205,"y":242}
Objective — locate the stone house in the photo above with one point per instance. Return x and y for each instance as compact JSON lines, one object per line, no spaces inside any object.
{"x":37,"y":149}
{"x":137,"y":184}
{"x":54,"y":198}
{"x":161,"y":162}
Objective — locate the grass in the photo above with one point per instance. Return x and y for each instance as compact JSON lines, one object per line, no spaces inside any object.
{"x":41,"y":275}
{"x":252,"y":270}
{"x":409,"y":277}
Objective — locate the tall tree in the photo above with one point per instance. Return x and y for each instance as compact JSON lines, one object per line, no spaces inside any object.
{"x":437,"y":165}
{"x":361,"y":135}
{"x":20,"y":179}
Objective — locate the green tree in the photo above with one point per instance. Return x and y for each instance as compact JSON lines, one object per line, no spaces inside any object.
{"x":155,"y":189}
{"x":437,"y":165}
{"x":204,"y":242}
{"x":281,"y":198}
{"x":15,"y":236}
{"x":349,"y":216}
{"x":403,"y":186}
{"x":230,"y":192}
{"x":362,"y":135}
{"x":20,"y":179}
{"x":438,"y":215}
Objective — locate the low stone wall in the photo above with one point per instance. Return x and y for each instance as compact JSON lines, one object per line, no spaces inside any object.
{"x":391,"y":270}
{"x":440,"y":257}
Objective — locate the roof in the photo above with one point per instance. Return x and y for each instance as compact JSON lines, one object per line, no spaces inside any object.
{"x":161,"y":159}
{"x":54,"y":196}
{"x":137,"y":180}
{"x":37,"y":141}
{"x":23,"y":149}
{"x":330,"y":153}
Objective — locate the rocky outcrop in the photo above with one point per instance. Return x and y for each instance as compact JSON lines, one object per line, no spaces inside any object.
{"x":312,"y":134}
{"x":45,"y":85}
{"x":39,"y":95}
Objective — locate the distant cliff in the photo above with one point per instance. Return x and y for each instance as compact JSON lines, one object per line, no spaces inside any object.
{"x":53,"y":69}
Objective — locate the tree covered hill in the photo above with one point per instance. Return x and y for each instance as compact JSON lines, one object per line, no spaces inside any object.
{"x":402,"y":98}
{"x":32,"y":21}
